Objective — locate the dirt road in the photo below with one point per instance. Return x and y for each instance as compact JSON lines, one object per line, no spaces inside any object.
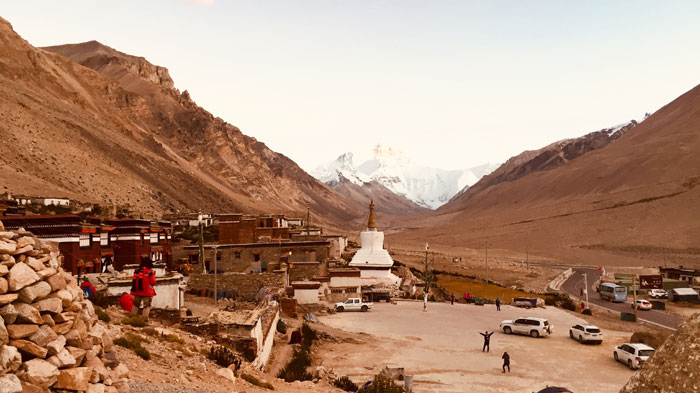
{"x":442,"y":348}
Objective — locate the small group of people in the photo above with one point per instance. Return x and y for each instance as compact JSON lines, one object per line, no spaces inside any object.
{"x":138,"y":301}
{"x":486,"y":348}
{"x":468,"y":298}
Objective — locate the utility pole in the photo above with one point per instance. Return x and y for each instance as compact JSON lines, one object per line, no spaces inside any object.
{"x":308,"y":221}
{"x":527,"y":258}
{"x":201,"y":242}
{"x":585,"y":287}
{"x":216,"y":292}
{"x":487,"y":262}
{"x":426,"y":280}
{"x":634,"y":289}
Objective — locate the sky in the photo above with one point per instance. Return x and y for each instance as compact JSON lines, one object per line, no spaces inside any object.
{"x":452,"y":84}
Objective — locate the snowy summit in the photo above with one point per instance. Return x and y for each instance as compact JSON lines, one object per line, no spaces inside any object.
{"x":425,"y":186}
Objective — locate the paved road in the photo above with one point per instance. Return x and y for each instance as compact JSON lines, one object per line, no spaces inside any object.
{"x":575,"y":283}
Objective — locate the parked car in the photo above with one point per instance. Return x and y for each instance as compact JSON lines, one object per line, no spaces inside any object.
{"x":586,"y":333}
{"x":643,"y":304}
{"x":633,"y":355}
{"x":353,"y":304}
{"x":531,"y":326}
{"x":658,"y":294}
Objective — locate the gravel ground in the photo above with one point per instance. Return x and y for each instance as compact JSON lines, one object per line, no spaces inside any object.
{"x":144,"y":387}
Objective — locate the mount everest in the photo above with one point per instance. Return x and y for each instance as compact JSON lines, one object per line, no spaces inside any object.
{"x":426,"y":187}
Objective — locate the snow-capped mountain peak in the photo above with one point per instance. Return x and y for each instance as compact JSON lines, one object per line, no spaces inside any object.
{"x":425,"y":186}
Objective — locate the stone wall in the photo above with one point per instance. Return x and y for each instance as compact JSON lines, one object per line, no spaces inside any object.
{"x":242,"y":285}
{"x":50,"y":339}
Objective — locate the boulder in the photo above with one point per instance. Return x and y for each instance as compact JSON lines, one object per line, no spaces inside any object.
{"x":226,"y":373}
{"x":8,"y":298}
{"x":22,"y":330}
{"x":64,"y":317}
{"x":57,"y":282}
{"x":40,"y":373}
{"x":26,"y":241}
{"x":7,"y":248}
{"x":10,"y":384}
{"x":3,"y":283}
{"x":22,"y":250}
{"x":77,"y":353}
{"x":21,"y":276}
{"x":65,"y":296}
{"x":48,"y":320}
{"x":31,"y":388}
{"x":121,"y":371}
{"x":35,"y":264}
{"x":63,"y":359}
{"x":4,"y":270}
{"x":4,"y":334}
{"x":29,"y":348}
{"x":34,"y":292}
{"x":43,"y":336}
{"x":98,"y":371}
{"x":73,"y":379}
{"x":56,"y":345}
{"x":50,"y":305}
{"x":46,"y":272}
{"x":10,"y":358}
{"x":63,"y":328}
{"x":122,"y":386}
{"x":110,"y":359}
{"x":8,"y":313}
{"x":27,"y":314}
{"x":96,"y":388}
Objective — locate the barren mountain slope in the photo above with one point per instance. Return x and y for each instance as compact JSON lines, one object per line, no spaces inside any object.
{"x":385,"y":199}
{"x":634,"y":202}
{"x":118,"y":133}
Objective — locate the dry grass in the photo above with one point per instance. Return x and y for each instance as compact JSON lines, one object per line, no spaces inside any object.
{"x":459,"y":286}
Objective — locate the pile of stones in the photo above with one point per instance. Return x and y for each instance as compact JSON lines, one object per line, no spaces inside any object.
{"x":50,"y":338}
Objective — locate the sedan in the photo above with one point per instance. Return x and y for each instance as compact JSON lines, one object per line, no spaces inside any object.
{"x":643,"y":304}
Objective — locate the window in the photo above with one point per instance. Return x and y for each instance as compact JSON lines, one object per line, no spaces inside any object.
{"x":646,"y":352}
{"x":142,"y":238}
{"x":154,"y":238}
{"x":104,"y":239}
{"x":85,"y":240}
{"x":256,"y":257}
{"x":593,"y":330}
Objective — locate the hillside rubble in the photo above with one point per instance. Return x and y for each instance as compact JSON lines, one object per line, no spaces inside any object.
{"x":675,"y":367}
{"x":50,"y":338}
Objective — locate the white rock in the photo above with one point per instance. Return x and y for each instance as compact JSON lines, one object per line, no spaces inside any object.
{"x":10,"y":384}
{"x":226,"y":373}
{"x":20,"y":276}
{"x":10,"y":358}
{"x":40,"y":373}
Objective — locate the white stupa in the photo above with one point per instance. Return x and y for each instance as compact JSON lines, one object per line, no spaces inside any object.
{"x":372,"y":259}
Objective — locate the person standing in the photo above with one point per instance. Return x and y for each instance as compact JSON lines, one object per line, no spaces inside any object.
{"x":142,"y":287}
{"x":498,"y":304}
{"x":506,"y":361}
{"x":452,"y":299}
{"x":468,"y":297}
{"x":487,"y":339}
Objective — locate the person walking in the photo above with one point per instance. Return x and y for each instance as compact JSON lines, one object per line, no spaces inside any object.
{"x":498,"y":304}
{"x":452,"y":299}
{"x":142,"y":288}
{"x":487,"y":339}
{"x":506,"y":361}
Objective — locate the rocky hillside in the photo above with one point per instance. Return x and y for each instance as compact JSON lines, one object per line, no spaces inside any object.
{"x":674,"y":367}
{"x":633,"y":202}
{"x":386,"y":201}
{"x":97,"y":125}
{"x":548,"y":157}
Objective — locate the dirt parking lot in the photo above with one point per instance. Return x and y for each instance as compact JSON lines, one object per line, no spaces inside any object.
{"x":442,"y":349}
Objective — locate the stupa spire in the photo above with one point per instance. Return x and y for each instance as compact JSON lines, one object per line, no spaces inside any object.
{"x":371,"y":224}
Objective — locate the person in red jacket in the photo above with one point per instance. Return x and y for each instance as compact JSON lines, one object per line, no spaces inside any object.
{"x":142,"y":287}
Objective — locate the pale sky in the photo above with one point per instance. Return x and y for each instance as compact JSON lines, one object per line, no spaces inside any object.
{"x":454,"y":84}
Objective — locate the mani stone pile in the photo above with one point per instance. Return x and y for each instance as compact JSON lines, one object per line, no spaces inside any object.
{"x":50,"y":340}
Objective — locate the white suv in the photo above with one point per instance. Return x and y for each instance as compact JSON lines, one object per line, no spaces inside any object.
{"x":658,"y":294}
{"x":633,"y":355}
{"x":531,"y":326}
{"x":586,"y":333}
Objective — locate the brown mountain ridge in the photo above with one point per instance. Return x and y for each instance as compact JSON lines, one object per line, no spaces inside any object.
{"x":97,"y":125}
